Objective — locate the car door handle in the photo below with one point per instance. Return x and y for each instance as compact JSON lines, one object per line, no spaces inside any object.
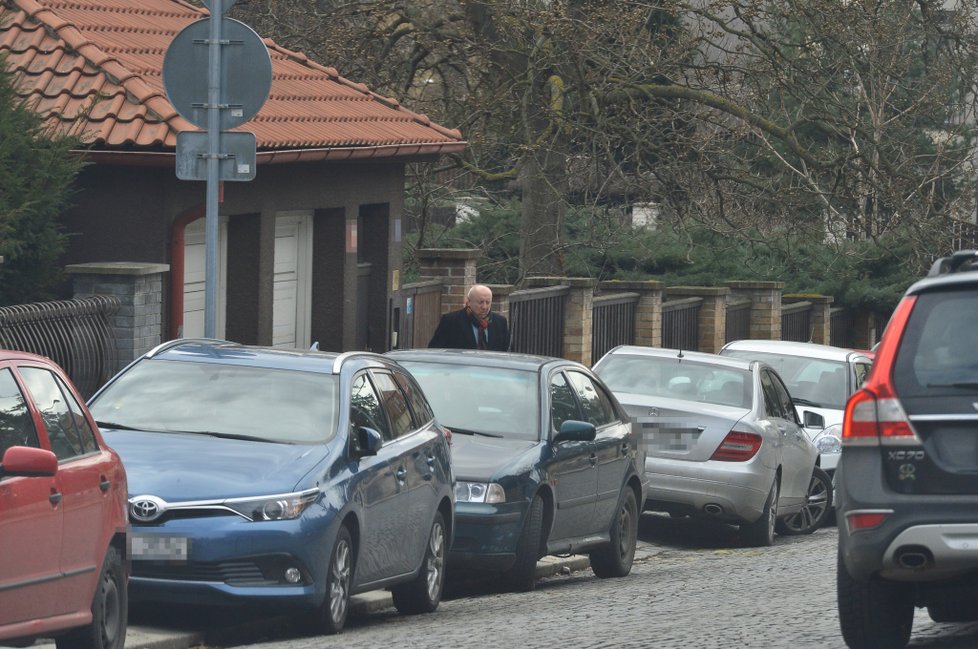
{"x":625,"y":447}
{"x":105,"y":485}
{"x":401,"y":475}
{"x":55,"y":497}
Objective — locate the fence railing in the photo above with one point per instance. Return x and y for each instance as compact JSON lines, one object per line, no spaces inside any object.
{"x":681,"y":323}
{"x":612,"y":322}
{"x":75,"y":334}
{"x":422,"y":310}
{"x":841,"y":327}
{"x":796,"y":321}
{"x":738,"y":320}
{"x":536,"y":317}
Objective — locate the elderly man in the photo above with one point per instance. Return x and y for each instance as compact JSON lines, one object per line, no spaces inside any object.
{"x":474,"y":326}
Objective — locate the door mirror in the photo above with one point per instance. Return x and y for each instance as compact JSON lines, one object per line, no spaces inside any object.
{"x":575,"y":431}
{"x":29,"y":462}
{"x":814,"y":420}
{"x":368,"y":440}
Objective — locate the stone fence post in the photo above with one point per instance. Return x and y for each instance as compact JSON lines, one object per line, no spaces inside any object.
{"x":765,"y":310}
{"x":455,"y":267}
{"x":713,"y":314}
{"x":138,"y":324}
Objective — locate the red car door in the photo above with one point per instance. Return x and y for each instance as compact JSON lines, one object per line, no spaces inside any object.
{"x":86,"y":478}
{"x":31,"y":519}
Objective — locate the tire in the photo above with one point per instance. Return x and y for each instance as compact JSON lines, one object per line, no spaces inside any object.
{"x":522,"y":575}
{"x":110,"y":610}
{"x":873,"y":613}
{"x":615,"y":558}
{"x":330,"y":617}
{"x":815,"y":513}
{"x":761,"y":532}
{"x":423,"y":593}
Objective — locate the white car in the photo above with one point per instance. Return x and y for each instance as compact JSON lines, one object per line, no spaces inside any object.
{"x":820,"y":379}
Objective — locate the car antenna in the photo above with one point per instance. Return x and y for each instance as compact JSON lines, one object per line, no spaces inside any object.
{"x":680,"y":355}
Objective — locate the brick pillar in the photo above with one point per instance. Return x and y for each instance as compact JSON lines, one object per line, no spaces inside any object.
{"x":713,"y":314}
{"x":578,"y":315}
{"x":821,"y":318}
{"x":765,"y":310}
{"x":648,"y":311}
{"x":138,"y":324}
{"x":454,"y":267}
{"x":500,"y":298}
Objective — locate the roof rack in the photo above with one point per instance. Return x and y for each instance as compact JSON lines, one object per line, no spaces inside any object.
{"x":960,"y":261}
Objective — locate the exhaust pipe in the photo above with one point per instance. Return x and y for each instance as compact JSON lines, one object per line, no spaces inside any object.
{"x":914,"y":557}
{"x":713,"y":509}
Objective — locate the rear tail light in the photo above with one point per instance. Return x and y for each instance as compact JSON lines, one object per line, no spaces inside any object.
{"x":866,"y":520}
{"x":737,"y":446}
{"x":874,"y":415}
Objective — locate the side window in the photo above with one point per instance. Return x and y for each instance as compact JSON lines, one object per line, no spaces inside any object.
{"x":862,"y":371}
{"x":772,"y":403}
{"x":365,"y":407}
{"x":16,"y":423}
{"x":596,"y":405}
{"x":395,"y":404}
{"x":563,"y":406}
{"x":68,"y":431}
{"x":419,"y":405}
{"x":787,"y":407}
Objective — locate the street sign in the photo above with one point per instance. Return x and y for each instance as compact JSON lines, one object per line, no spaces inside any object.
{"x":246,"y":73}
{"x":237,"y":156}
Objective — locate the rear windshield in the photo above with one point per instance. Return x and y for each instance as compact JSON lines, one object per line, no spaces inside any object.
{"x":178,"y":396}
{"x":939,"y":349}
{"x":668,"y":377}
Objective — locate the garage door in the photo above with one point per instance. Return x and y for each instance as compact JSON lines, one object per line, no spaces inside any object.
{"x":291,"y":295}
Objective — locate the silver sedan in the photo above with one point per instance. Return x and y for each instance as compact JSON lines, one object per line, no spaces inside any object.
{"x":723,"y":440}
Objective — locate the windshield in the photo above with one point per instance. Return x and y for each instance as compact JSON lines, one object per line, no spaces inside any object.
{"x":491,"y":400}
{"x":176,"y":396}
{"x":810,"y":381}
{"x":668,"y":377}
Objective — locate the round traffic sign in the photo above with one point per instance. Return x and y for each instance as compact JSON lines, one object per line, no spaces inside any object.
{"x":245,"y":72}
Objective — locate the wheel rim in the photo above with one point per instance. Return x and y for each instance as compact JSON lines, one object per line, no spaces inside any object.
{"x":624,"y":530}
{"x":339,"y":585}
{"x":816,"y":504}
{"x":435,"y":563}
{"x":111,"y":606}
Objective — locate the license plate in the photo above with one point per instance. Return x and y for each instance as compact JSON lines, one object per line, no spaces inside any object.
{"x":160,"y":547}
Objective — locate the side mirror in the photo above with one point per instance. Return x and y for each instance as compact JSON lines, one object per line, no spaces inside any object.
{"x":28,"y":462}
{"x":575,"y":431}
{"x":813,"y":420}
{"x":369,"y":441}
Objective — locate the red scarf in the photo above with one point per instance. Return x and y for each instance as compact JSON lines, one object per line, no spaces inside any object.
{"x":482,"y":335}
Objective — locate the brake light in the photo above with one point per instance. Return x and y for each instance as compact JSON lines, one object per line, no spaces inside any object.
{"x":737,"y":446}
{"x":866,"y":520}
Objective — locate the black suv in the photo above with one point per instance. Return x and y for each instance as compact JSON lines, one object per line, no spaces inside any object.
{"x":907,"y":482}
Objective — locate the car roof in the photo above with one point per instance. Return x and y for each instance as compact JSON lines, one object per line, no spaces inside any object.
{"x":665,"y":352}
{"x":17,"y":355}
{"x":231,"y":353}
{"x":511,"y":360}
{"x":793,"y":348}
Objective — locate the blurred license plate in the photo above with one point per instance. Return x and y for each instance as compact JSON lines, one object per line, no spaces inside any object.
{"x":661,"y":436}
{"x":160,"y":548}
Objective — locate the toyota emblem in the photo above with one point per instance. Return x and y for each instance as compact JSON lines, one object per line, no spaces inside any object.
{"x":146,"y":508}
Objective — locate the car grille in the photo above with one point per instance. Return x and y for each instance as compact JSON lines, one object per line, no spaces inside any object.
{"x":233,"y":573}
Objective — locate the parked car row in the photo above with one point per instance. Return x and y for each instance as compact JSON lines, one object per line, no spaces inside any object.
{"x":295,"y":479}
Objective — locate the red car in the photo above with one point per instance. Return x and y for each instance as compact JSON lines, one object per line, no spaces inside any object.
{"x":63,"y":522}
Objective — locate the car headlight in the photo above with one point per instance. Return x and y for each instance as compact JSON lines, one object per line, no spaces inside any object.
{"x":479,"y":492}
{"x":281,"y":507}
{"x":829,"y":440}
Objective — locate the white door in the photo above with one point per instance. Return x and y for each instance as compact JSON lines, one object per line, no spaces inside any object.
{"x":194,"y":277}
{"x":292,"y":285}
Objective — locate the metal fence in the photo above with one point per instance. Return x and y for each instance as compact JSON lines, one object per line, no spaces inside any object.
{"x":796,"y":321}
{"x":612,"y":322}
{"x":75,"y":334}
{"x":681,"y":323}
{"x":738,"y":320}
{"x":842,"y":328}
{"x":536,"y":318}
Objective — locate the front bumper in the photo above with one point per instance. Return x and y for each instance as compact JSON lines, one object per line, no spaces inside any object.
{"x":487,"y":536}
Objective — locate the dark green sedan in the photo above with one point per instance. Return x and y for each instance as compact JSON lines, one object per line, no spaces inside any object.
{"x":545,"y":460}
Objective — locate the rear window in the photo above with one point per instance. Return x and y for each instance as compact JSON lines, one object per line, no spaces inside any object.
{"x":670,"y":378}
{"x":273,"y":405}
{"x":939,"y":349}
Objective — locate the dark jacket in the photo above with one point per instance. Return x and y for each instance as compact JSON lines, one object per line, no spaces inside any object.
{"x":457,"y":330}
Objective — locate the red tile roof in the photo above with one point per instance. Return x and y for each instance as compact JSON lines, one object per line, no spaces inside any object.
{"x":95,"y":66}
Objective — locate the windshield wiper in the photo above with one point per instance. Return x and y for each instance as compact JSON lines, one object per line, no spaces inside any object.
{"x":112,"y":424}
{"x":247,"y":438}
{"x":805,"y":402}
{"x":971,"y":385}
{"x":464,"y":431}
